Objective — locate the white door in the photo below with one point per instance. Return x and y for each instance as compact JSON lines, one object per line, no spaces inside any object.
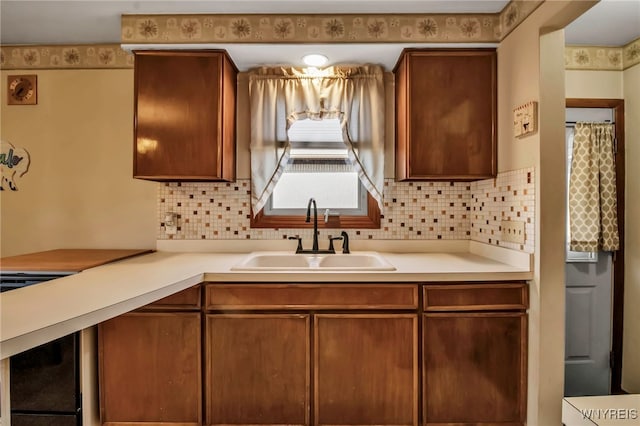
{"x":588,"y":300}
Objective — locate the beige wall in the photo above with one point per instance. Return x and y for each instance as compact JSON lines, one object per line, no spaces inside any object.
{"x":631,"y":344}
{"x":79,"y":190}
{"x":594,"y":84}
{"x":531,"y":68}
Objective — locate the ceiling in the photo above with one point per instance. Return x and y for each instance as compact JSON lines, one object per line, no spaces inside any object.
{"x":609,"y":23}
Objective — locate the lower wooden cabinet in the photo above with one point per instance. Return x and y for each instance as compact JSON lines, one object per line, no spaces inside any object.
{"x":474,"y":353}
{"x":257,"y":369}
{"x":475,"y":368}
{"x":366,"y":369}
{"x":150,"y":369}
{"x":312,"y":354}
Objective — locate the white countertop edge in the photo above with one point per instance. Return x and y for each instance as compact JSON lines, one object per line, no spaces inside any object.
{"x":29,"y":340}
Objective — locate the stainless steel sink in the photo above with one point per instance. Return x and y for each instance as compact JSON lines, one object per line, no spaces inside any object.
{"x":285,"y":261}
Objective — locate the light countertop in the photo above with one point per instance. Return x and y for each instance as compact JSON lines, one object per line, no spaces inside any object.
{"x":37,"y":314}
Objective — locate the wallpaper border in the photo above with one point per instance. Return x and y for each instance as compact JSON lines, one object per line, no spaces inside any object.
{"x":326,"y":28}
{"x":112,"y":56}
{"x":85,"y":56}
{"x":602,"y":58}
{"x":307,"y":28}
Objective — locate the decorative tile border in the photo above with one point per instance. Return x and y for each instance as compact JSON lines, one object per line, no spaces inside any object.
{"x":510,"y":196}
{"x":427,"y":210}
{"x":65,"y":57}
{"x":602,"y":58}
{"x":302,"y":28}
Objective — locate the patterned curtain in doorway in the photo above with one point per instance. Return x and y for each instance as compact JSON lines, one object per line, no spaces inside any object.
{"x":592,"y":189}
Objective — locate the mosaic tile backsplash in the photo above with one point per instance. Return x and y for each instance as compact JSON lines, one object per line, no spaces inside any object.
{"x":412,"y":211}
{"x":510,"y":196}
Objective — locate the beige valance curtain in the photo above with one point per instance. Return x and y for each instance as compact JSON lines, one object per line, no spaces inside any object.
{"x":592,"y":189}
{"x":354,"y":95}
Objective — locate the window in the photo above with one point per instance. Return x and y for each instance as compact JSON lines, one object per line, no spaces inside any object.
{"x":354,"y":95}
{"x":318,"y":167}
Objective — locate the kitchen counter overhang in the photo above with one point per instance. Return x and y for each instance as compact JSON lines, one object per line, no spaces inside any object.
{"x":37,"y":314}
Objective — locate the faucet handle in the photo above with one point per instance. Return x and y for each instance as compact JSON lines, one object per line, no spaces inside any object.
{"x":331,"y":240}
{"x":345,"y":242}
{"x":299,"y":248}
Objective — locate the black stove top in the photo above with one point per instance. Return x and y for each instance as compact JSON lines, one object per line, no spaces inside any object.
{"x":15,"y":280}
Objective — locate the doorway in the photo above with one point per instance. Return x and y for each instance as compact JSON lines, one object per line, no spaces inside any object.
{"x":595,"y":281}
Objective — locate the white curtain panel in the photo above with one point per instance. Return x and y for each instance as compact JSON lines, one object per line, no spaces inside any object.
{"x":354,"y":95}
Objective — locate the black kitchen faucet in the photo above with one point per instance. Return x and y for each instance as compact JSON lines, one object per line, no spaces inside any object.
{"x":314,"y":247}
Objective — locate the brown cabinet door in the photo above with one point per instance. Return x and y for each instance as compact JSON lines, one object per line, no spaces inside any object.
{"x":184,"y":115}
{"x":446,"y":114}
{"x":475,"y":368}
{"x":366,"y":369}
{"x":257,"y":369}
{"x":150,"y":368}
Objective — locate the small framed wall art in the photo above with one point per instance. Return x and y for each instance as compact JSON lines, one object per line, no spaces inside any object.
{"x":525,"y":119}
{"x":22,"y":89}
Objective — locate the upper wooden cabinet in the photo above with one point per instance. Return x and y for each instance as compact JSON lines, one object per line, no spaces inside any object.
{"x":185,"y":108}
{"x":446,"y":114}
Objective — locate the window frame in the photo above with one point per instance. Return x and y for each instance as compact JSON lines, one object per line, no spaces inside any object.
{"x":359,"y":211}
{"x":369,"y":221}
{"x":368,"y":217}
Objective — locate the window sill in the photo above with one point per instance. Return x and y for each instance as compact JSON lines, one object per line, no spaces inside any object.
{"x":370,"y":221}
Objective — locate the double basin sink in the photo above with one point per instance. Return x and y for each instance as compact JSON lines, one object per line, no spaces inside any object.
{"x":286,"y":261}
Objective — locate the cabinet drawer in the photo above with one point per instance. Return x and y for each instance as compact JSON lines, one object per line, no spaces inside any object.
{"x":311,"y":296}
{"x":476,"y":297}
{"x":188,"y":299}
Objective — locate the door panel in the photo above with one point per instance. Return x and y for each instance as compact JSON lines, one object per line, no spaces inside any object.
{"x":150,"y":368}
{"x":257,"y":369}
{"x":474,"y":368}
{"x":588,"y":327}
{"x":366,"y":369}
